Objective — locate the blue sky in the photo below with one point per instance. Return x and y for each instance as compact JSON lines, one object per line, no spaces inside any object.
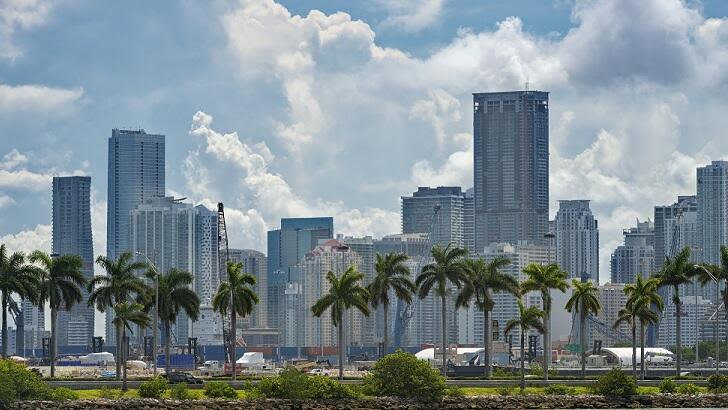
{"x":304,"y":108}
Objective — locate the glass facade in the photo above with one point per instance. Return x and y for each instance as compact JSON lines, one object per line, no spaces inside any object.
{"x":511,"y":166}
{"x":72,"y":236}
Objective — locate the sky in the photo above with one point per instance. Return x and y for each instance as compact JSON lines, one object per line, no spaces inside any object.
{"x":310,"y":108}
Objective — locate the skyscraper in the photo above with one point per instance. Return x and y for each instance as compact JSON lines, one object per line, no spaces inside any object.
{"x":336,"y":257}
{"x":577,"y":240}
{"x":72,"y":236}
{"x":636,"y":257}
{"x":676,"y":226}
{"x":136,"y":173}
{"x":286,"y":247}
{"x":713,"y":209}
{"x":176,"y":235}
{"x":256,"y":264}
{"x":440,"y":210}
{"x":511,"y":164}
{"x":364,"y":247}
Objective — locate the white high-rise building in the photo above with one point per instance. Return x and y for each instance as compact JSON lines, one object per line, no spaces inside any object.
{"x":173,"y":234}
{"x":577,"y":240}
{"x":693,"y":311}
{"x":364,"y":247}
{"x":713,"y":209}
{"x":506,"y":306}
{"x":334,"y":256}
{"x":33,"y":325}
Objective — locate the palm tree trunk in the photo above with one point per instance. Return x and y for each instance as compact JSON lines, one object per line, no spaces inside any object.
{"x":582,"y":340}
{"x":642,"y":351}
{"x":523,"y":357}
{"x":340,"y":330}
{"x":444,"y":335}
{"x":678,"y":336}
{"x":119,"y":352}
{"x":386,"y":330}
{"x":487,"y":341}
{"x":54,"y":340}
{"x":123,"y":355}
{"x":634,"y":348}
{"x":233,"y":335}
{"x":5,"y":325}
{"x":166,"y":347}
{"x":547,"y":341}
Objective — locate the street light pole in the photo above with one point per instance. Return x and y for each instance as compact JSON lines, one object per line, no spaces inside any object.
{"x":156,"y":313}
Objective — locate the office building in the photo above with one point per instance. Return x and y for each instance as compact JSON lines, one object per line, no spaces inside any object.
{"x":286,"y":247}
{"x":511,"y":166}
{"x":135,"y":173}
{"x":438,"y":210}
{"x":33,"y":327}
{"x":713,"y":209}
{"x":636,"y":257}
{"x":694,"y":310}
{"x":72,"y":236}
{"x":676,"y":226}
{"x":254,"y":263}
{"x":410,"y":244}
{"x":469,"y":221}
{"x":577,"y":240}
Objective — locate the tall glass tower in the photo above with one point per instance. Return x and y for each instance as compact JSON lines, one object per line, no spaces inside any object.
{"x":72,"y":236}
{"x":136,"y":173}
{"x":511,"y":153}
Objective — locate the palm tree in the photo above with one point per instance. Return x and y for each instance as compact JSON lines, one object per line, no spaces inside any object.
{"x":484,"y":278}
{"x":720,"y":272}
{"x":345,"y":292}
{"x":447,"y":269}
{"x":528,"y":318}
{"x":15,"y":277}
{"x":392,"y":274}
{"x":644,"y":294}
{"x":583,"y":300}
{"x":175,"y":296}
{"x":61,"y":281}
{"x":118,"y":286}
{"x":543,"y":278}
{"x":236,"y":296}
{"x":124,"y":314}
{"x":677,"y":271}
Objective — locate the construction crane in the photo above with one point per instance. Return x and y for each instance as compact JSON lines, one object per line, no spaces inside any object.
{"x":405,"y":311}
{"x":223,"y":249}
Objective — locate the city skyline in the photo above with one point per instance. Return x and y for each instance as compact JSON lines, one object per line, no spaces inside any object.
{"x":586,"y":145}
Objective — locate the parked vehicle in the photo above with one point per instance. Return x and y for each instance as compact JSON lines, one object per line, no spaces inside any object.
{"x":177,"y":377}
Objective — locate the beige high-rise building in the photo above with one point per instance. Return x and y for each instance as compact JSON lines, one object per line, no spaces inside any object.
{"x":337,"y":257}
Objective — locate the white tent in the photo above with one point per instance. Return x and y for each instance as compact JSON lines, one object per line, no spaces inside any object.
{"x":251,"y":359}
{"x":623,"y":355}
{"x":429,"y":354}
{"x":96,"y":358}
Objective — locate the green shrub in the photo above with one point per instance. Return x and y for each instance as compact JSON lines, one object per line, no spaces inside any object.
{"x":689,"y":389}
{"x":403,"y":375}
{"x":668,"y":386}
{"x":559,"y":390}
{"x":504,"y":390}
{"x":153,"y":389}
{"x":179,"y":392}
{"x":615,"y":383}
{"x":717,"y":383}
{"x":323,"y":387}
{"x":62,"y":394}
{"x":455,"y":392}
{"x":19,"y":383}
{"x":109,"y":393}
{"x":296,"y":385}
{"x":220,"y":390}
